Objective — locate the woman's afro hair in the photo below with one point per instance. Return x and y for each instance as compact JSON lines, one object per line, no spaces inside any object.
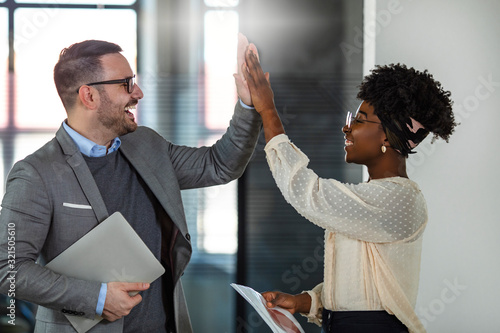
{"x":401,"y":92}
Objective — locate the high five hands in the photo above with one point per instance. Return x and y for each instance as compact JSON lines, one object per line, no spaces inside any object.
{"x":258,"y":83}
{"x":241,"y":82}
{"x":254,"y":88}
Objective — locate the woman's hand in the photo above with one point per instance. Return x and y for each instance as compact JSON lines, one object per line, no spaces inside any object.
{"x":258,"y":83}
{"x":293,"y":303}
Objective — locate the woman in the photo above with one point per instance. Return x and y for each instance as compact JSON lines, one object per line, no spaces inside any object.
{"x":373,"y":230}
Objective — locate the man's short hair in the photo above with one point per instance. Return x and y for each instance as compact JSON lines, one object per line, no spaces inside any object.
{"x":80,"y":64}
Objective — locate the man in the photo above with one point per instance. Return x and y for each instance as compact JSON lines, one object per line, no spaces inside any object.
{"x":100,"y":162}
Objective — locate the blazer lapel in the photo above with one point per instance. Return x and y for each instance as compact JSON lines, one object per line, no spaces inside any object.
{"x":82,"y":172}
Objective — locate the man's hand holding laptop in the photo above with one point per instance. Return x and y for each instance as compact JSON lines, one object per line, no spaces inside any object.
{"x":119,"y":301}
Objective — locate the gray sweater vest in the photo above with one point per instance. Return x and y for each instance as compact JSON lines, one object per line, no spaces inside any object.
{"x":123,"y":190}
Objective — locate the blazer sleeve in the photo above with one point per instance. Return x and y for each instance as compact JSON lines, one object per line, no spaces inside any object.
{"x":224,"y":161}
{"x":25,"y":221}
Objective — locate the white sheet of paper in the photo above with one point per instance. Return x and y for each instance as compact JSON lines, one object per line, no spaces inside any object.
{"x":112,"y":251}
{"x":278,"y":319}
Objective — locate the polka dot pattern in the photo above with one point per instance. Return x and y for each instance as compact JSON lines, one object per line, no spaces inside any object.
{"x":373,"y":235}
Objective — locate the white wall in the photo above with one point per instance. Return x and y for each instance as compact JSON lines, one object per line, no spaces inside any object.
{"x":457,"y":41}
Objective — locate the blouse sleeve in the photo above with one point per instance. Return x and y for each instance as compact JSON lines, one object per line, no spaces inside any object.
{"x":384,"y":210}
{"x":315,"y":314}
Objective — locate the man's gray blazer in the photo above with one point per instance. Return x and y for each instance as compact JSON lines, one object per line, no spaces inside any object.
{"x":39,"y":186}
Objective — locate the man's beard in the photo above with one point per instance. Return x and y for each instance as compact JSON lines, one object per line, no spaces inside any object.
{"x":114,"y":119}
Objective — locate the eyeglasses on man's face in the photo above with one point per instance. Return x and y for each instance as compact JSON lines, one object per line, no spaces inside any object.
{"x":130,"y":81}
{"x":350,"y":119}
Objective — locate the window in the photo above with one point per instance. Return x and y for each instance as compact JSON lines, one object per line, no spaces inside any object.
{"x":218,"y":221}
{"x":221,"y":3}
{"x":215,"y":222}
{"x":4,"y":91}
{"x":221,"y":29}
{"x":81,"y":2}
{"x":4,"y":65}
{"x":37,"y":104}
{"x":30,"y":108}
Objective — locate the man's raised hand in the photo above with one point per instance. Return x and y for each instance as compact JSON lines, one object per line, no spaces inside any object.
{"x":241,"y":83}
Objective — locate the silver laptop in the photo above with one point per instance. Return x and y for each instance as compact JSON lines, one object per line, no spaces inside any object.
{"x":112,"y":251}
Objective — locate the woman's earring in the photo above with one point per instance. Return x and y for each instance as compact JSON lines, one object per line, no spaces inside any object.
{"x":384,"y":149}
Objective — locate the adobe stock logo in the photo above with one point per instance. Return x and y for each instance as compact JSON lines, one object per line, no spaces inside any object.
{"x":449,"y":294}
{"x":299,"y":273}
{"x":383,"y":18}
{"x":468,"y":107}
{"x":30,"y":28}
{"x":472,"y":102}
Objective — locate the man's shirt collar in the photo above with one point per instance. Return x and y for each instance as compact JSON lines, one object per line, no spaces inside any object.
{"x":88,"y":147}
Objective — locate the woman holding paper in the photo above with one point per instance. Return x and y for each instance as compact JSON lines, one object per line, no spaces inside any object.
{"x":373,"y":230}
